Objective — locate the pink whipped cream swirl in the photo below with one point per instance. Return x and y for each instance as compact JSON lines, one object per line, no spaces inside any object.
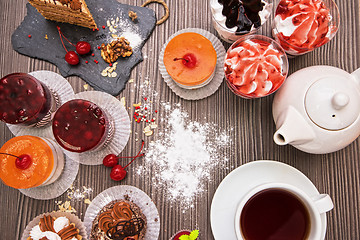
{"x":302,"y":25}
{"x":255,"y":68}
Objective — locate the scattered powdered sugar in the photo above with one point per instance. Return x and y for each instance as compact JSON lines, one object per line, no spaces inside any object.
{"x":120,"y":27}
{"x":184,"y":155}
{"x":79,"y":194}
{"x":134,"y":38}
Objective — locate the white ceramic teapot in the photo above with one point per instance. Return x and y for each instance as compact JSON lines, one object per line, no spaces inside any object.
{"x":317,"y":110}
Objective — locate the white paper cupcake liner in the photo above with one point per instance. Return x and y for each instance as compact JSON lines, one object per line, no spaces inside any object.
{"x":213,"y":85}
{"x":58,"y":187}
{"x":61,"y":87}
{"x":72,"y":218}
{"x":133,"y":194}
{"x":121,"y":134}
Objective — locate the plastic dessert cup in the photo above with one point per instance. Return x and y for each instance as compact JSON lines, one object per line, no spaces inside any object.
{"x":81,"y":126}
{"x":300,"y":26}
{"x":233,"y":19}
{"x":255,"y":66}
{"x":25,"y":101}
{"x":43,"y":167}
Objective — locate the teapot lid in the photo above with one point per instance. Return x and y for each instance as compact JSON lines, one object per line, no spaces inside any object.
{"x":333,"y":102}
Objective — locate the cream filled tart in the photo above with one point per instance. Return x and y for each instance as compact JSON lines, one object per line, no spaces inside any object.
{"x":54,"y":228}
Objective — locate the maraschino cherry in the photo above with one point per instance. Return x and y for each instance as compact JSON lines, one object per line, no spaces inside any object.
{"x":188,"y":60}
{"x":118,"y":172}
{"x":22,"y":162}
{"x":72,"y":58}
{"x":82,"y":48}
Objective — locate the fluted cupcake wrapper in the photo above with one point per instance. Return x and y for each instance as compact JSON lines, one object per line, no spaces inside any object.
{"x":209,"y":88}
{"x":121,"y":128}
{"x":72,"y":218}
{"x":130,"y":193}
{"x":58,"y":187}
{"x":63,"y":91}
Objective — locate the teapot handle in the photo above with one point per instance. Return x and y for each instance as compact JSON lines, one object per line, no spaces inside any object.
{"x":356,"y":75}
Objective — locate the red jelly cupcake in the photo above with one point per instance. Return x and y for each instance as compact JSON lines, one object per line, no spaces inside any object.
{"x":25,"y":101}
{"x":80,"y":126}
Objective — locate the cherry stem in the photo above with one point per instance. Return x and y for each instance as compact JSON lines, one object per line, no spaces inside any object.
{"x":9,"y":154}
{"x":137,"y":155}
{"x":60,"y":34}
{"x":67,"y":39}
{"x":128,"y":157}
{"x":177,"y":59}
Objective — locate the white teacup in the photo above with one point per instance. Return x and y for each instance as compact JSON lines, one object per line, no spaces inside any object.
{"x":315,"y":206}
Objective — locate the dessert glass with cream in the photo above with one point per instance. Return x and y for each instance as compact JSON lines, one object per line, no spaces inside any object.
{"x":255,"y":66}
{"x":234,"y":18}
{"x":80,"y":126}
{"x":300,"y":26}
{"x":25,"y":101}
{"x":29,"y":161}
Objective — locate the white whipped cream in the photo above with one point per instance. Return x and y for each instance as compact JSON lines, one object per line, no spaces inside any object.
{"x":286,"y":26}
{"x":60,"y":223}
{"x":37,"y":234}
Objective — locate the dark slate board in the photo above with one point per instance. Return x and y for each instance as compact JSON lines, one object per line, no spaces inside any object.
{"x":51,"y":50}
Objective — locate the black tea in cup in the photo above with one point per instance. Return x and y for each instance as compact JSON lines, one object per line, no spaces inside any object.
{"x":274,"y":214}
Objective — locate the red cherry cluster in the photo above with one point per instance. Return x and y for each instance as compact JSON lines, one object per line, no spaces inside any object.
{"x":118,"y":172}
{"x":22,"y":162}
{"x":82,"y":48}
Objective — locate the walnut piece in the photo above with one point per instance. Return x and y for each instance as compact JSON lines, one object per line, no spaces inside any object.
{"x":118,"y":48}
{"x":133,"y":16}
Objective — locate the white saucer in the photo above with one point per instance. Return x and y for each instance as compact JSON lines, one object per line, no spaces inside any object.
{"x":244,"y":178}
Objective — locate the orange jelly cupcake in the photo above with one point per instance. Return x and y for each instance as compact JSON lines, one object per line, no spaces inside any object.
{"x":28,"y":161}
{"x":190,"y":60}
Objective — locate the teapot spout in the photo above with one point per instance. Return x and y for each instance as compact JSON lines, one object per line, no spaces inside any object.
{"x":292,"y":129}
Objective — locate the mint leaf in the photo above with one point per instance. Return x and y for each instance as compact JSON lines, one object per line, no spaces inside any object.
{"x":184,"y":237}
{"x":193,"y":235}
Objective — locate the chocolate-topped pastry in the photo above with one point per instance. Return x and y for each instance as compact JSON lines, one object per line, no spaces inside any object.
{"x":243,"y":14}
{"x":119,"y":220}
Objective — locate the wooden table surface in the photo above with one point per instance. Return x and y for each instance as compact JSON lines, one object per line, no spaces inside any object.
{"x":337,"y":174}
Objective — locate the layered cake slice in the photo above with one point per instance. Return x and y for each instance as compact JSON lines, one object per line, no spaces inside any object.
{"x":67,"y":11}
